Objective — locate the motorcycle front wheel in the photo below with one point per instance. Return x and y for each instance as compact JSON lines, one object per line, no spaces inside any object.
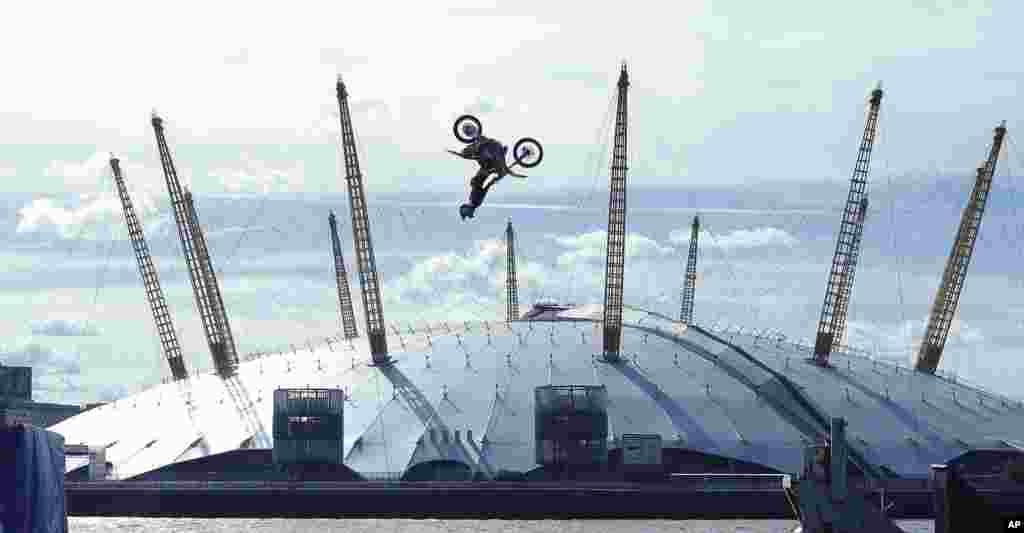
{"x":528,"y":152}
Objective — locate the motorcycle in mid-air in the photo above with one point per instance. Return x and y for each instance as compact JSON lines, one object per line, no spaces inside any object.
{"x":490,"y":153}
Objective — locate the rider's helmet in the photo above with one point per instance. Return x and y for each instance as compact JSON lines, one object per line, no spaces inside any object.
{"x":469,"y":129}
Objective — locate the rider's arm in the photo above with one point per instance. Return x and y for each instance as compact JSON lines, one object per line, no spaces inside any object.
{"x":471,"y":151}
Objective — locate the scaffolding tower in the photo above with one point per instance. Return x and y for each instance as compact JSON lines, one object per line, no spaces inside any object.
{"x":243,"y":404}
{"x":348,"y":316}
{"x":690,"y":283}
{"x":840,"y":280}
{"x":511,"y":283}
{"x":615,"y":261}
{"x":200,"y":269}
{"x":225,"y":345}
{"x":155,"y":295}
{"x":843,"y":306}
{"x":368,"y":278}
{"x":208,"y":299}
{"x":948,"y":294}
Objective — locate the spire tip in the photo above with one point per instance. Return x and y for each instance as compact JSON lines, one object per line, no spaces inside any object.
{"x":340,"y":87}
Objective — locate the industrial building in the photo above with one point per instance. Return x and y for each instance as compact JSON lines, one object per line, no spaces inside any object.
{"x":16,"y":405}
{"x":588,"y":386}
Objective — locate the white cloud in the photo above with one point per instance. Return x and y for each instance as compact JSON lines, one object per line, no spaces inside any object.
{"x":44,"y":216}
{"x":469,"y":285}
{"x":64,"y":328}
{"x":94,"y":209}
{"x":440,"y":273}
{"x":901,"y":342}
{"x":742,"y":238}
{"x":110,"y":392}
{"x":41,"y":358}
{"x":241,"y":57}
{"x":80,"y":174}
{"x":529,"y":276}
{"x":57,"y":374}
{"x":94,"y":176}
{"x":256,"y":176}
{"x":591,"y":247}
{"x":95,"y":217}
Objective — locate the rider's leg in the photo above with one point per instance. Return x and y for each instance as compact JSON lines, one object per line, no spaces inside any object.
{"x":477,"y":192}
{"x":478,"y":179}
{"x":476,"y":196}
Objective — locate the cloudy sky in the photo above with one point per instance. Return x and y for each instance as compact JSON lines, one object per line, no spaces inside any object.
{"x":248,"y":89}
{"x":749,"y":113}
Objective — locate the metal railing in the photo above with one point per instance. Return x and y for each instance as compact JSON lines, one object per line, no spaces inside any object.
{"x":732,"y":482}
{"x":897,"y":484}
{"x":382,"y":476}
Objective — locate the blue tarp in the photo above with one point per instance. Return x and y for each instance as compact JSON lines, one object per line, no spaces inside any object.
{"x":31,"y":481}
